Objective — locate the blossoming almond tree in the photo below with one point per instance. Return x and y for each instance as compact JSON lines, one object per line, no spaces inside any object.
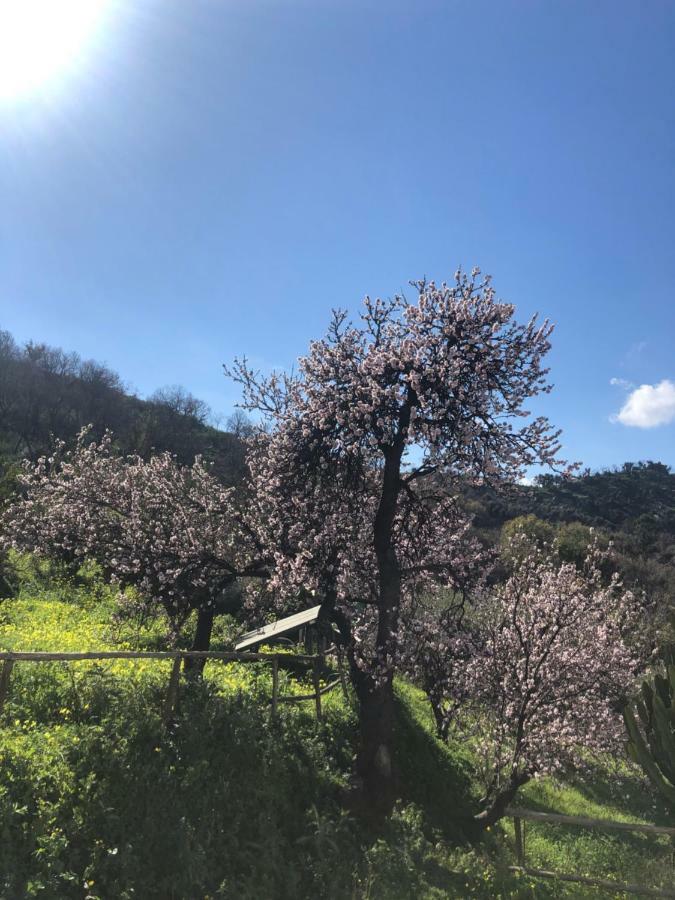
{"x":421,"y":393}
{"x":316,"y":524}
{"x":172,"y":531}
{"x":546,"y":671}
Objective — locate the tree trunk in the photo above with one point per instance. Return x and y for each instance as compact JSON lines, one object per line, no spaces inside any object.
{"x":374,"y":764}
{"x":497,"y":808}
{"x":202,"y":638}
{"x":374,"y":761}
{"x":374,"y":796}
{"x":442,"y":721}
{"x":375,"y":691}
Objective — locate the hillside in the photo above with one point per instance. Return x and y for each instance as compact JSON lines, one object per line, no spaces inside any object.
{"x":99,"y":800}
{"x":633,"y":507}
{"x":46,"y":392}
{"x":637,"y":498}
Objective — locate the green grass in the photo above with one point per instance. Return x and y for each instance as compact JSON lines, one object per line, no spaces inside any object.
{"x":613,"y":791}
{"x":99,"y":800}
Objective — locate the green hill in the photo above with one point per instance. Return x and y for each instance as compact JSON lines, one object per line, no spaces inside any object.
{"x":47,"y":393}
{"x":98,"y":799}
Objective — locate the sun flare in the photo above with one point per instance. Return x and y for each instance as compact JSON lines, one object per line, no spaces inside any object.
{"x":43,"y":40}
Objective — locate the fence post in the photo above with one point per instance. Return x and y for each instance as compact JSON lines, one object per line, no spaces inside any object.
{"x":341,"y":670}
{"x":317,"y":686}
{"x":275,"y":684}
{"x":4,"y":681}
{"x":172,"y":692}
{"x":520,"y":840}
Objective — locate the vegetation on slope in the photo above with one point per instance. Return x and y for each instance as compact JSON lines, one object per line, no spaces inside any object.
{"x":99,"y":800}
{"x":46,"y":392}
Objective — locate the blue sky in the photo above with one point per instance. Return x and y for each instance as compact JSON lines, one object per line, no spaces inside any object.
{"x":217,"y":174}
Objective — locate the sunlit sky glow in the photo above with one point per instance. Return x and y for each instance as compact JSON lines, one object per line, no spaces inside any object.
{"x":183,"y":181}
{"x":43,"y":40}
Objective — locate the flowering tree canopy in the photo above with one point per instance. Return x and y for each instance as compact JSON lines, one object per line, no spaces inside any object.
{"x":365,"y":446}
{"x":173,"y":532}
{"x":544,"y":669}
{"x":437,"y":646}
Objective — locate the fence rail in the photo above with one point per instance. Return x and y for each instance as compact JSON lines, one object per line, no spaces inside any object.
{"x":49,"y":656}
{"x":9,"y":659}
{"x":521,"y":815}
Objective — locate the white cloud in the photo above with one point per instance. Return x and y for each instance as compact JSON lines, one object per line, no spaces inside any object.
{"x":621,"y":382}
{"x":648,"y":406}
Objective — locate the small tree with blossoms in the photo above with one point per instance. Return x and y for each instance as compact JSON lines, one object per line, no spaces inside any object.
{"x":366,"y":447}
{"x":546,"y":671}
{"x":437,"y":646}
{"x":172,"y":532}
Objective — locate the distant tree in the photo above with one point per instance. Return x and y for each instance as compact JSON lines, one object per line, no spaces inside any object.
{"x":646,"y":529}
{"x":531,"y":531}
{"x":172,"y":532}
{"x":240,"y":425}
{"x":393,"y":414}
{"x":573,"y":542}
{"x":182,"y":402}
{"x":568,"y":541}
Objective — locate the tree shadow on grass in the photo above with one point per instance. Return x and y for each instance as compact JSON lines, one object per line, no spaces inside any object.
{"x":436,"y":777}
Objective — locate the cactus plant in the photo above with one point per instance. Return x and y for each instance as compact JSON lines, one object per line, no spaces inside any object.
{"x":651,"y":733}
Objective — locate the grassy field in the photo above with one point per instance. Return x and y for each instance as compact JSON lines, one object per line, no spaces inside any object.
{"x":99,"y":800}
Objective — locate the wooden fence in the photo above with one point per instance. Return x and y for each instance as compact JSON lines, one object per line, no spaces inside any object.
{"x":10,"y":658}
{"x":522,"y":815}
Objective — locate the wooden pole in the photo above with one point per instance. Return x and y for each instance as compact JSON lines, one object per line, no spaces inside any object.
{"x":298,"y":698}
{"x":317,"y":686}
{"x":520,"y":816}
{"x":275,"y":685}
{"x":341,"y":670}
{"x":584,"y":822}
{"x":615,"y":886}
{"x":172,"y":692}
{"x":520,"y":840}
{"x":4,"y":681}
{"x":48,"y":656}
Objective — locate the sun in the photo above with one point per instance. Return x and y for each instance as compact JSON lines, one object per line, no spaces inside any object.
{"x":43,"y":40}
